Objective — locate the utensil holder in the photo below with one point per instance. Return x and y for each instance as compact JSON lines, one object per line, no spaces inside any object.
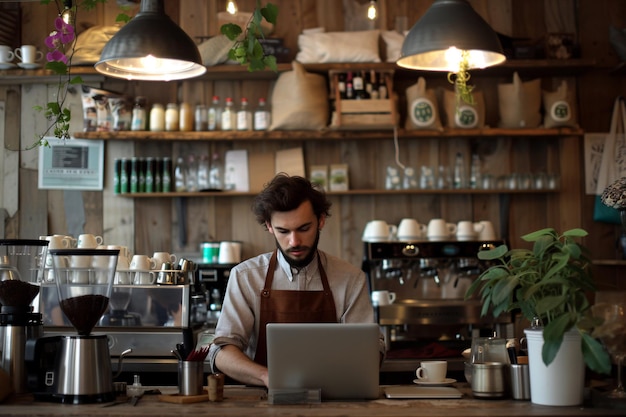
{"x":190,"y":377}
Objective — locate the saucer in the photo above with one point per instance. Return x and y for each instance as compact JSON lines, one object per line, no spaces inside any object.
{"x":447,"y":381}
{"x":28,"y":65}
{"x":6,"y":65}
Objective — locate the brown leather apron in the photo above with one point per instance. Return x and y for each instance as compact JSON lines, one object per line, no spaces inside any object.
{"x":287,"y":306}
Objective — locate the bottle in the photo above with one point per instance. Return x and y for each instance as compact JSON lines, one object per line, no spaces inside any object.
{"x":139,"y":119}
{"x":166,"y":175}
{"x":142,"y":175}
{"x":475,"y":174}
{"x":459,"y":172}
{"x":229,"y":120}
{"x":349,"y":87}
{"x":171,"y":118}
{"x":372,"y":86}
{"x":214,"y":115}
{"x":216,"y":173}
{"x":200,"y":118}
{"x":125,"y":176}
{"x":185,"y":118}
{"x":244,"y":116}
{"x":117,"y":168}
{"x":157,"y":118}
{"x":341,"y":85}
{"x":359,"y":86}
{"x":203,"y":173}
{"x":191,"y":174}
{"x":150,"y":166}
{"x":262,"y":116}
{"x":180,"y":182}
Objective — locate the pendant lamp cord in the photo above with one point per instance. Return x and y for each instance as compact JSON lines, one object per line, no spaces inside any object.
{"x":395,"y":143}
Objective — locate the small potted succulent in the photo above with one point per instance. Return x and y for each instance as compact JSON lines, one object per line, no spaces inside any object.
{"x":548,"y":285}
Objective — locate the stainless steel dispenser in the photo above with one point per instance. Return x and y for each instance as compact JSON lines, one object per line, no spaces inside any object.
{"x":21,"y":266}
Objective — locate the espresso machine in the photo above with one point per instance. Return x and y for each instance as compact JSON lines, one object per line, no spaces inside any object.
{"x":76,"y":368}
{"x":430,"y":317}
{"x":21,"y":266}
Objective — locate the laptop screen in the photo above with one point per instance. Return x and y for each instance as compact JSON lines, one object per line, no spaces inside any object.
{"x":342,"y":360}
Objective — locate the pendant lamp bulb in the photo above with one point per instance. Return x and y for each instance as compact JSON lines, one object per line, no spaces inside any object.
{"x":67,"y":14}
{"x":372,"y":10}
{"x":231,"y":7}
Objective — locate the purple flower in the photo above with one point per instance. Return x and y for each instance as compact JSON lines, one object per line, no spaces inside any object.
{"x":65,"y":30}
{"x":56,"y":56}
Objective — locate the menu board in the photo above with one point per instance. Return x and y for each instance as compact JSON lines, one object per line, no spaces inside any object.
{"x":71,"y":164}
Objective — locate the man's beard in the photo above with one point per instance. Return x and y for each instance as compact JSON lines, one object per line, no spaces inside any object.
{"x":301,"y":263}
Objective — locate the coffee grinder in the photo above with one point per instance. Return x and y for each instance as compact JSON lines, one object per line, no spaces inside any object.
{"x":76,"y":369}
{"x":21,"y":265}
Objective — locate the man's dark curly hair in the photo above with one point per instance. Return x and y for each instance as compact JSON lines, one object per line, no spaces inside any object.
{"x":286,"y":193}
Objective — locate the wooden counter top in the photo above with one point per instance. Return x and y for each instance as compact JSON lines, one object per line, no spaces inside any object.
{"x":242,"y":401}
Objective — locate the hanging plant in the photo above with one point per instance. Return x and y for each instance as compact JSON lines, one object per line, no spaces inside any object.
{"x":61,"y":45}
{"x":459,"y":79}
{"x":247,"y":49}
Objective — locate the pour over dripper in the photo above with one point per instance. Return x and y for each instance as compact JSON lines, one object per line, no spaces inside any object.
{"x":84,"y":279}
{"x":21,"y":267}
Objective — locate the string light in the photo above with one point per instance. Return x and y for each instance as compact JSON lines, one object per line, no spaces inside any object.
{"x":372,"y":10}
{"x":231,"y":7}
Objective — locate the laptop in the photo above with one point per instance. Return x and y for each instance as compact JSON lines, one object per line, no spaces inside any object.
{"x":340,"y":360}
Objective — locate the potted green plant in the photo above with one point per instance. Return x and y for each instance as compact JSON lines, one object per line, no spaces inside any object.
{"x":548,"y":285}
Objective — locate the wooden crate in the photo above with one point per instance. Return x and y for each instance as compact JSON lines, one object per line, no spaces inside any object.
{"x":368,"y":114}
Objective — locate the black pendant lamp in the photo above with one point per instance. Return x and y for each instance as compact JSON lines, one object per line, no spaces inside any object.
{"x":151,"y":47}
{"x":448,"y":30}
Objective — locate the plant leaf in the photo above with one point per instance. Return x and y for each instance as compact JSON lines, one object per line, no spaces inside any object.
{"x":596,"y":357}
{"x":231,"y":30}
{"x":491,"y":254}
{"x":270,"y":13}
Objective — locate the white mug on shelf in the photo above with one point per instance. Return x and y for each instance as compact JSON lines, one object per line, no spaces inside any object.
{"x":6,"y":54}
{"x":379,"y":231}
{"x":163,"y":257}
{"x":439,"y":229}
{"x":28,"y":54}
{"x":411,"y":229}
{"x":487,"y":232}
{"x":88,"y":241}
{"x":468,"y":230}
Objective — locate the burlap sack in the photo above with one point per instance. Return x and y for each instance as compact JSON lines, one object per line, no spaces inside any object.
{"x":560,"y":107}
{"x":466,"y":116}
{"x":422,"y":109}
{"x":323,"y":47}
{"x":520,"y":103}
{"x":299,"y":101}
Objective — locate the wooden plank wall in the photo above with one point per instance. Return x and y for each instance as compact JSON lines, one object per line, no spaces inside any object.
{"x":148,"y":225}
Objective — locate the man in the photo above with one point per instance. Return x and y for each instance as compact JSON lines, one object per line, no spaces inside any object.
{"x":294,"y":283}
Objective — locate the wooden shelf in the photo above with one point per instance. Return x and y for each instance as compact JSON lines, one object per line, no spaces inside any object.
{"x":340,"y":193}
{"x":295,"y":135}
{"x":224,"y":72}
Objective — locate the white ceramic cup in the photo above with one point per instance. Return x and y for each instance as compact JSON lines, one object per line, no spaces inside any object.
{"x":411,"y":229}
{"x":468,"y":230}
{"x":379,"y":231}
{"x":432,"y":371}
{"x":230,"y":253}
{"x":383,"y":298}
{"x":88,"y":241}
{"x":142,"y":262}
{"x":28,"y":54}
{"x":439,"y":229}
{"x":6,"y":54}
{"x":163,"y":257}
{"x":487,"y":232}
{"x":58,"y":242}
{"x":144,"y":278}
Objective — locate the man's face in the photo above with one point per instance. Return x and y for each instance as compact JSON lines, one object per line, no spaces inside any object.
{"x":297,"y":233}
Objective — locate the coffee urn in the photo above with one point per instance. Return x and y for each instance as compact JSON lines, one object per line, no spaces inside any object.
{"x":21,"y":266}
